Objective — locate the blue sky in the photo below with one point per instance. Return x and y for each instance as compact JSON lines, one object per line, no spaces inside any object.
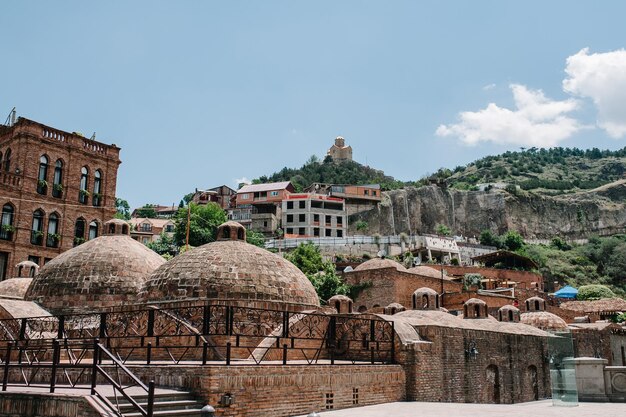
{"x":200,"y":93}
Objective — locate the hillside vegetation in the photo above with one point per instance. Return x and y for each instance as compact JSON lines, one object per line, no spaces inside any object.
{"x":555,"y":170}
{"x":327,"y":171}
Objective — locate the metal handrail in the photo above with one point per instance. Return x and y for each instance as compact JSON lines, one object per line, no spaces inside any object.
{"x":100,"y":349}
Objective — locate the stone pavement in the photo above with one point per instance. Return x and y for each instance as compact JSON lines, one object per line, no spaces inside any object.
{"x":531,"y":409}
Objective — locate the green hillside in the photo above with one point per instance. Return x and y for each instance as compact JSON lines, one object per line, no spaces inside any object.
{"x":327,"y":171}
{"x":543,"y":170}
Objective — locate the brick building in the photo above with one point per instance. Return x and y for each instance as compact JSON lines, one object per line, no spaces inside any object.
{"x":263,"y":203}
{"x":223,"y":195}
{"x":147,"y":230}
{"x":56,"y":190}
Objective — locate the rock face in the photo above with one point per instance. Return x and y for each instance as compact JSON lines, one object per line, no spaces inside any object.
{"x":419,"y":210}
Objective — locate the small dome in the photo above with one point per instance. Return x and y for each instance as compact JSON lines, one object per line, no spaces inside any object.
{"x":509,"y":313}
{"x":380,"y":263}
{"x":543,"y":320}
{"x":475,"y":308}
{"x":231,"y":231}
{"x":394,"y":308}
{"x":103,"y":272}
{"x":341,"y":303}
{"x":26,"y":269}
{"x":426,"y":271}
{"x":535,"y":304}
{"x":14,"y":287}
{"x":425,"y":299}
{"x":231,"y":270}
{"x":116,"y":227}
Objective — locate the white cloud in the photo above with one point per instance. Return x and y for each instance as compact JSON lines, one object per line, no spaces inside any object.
{"x":242,"y":180}
{"x":601,"y":77}
{"x":536,"y":121}
{"x":489,"y":87}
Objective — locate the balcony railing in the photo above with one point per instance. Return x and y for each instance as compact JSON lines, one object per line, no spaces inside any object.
{"x":36,"y":237}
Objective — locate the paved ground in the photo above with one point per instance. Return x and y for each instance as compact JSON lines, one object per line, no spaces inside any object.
{"x":532,"y":409}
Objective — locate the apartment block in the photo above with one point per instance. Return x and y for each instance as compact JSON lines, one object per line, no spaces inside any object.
{"x":314,"y":215}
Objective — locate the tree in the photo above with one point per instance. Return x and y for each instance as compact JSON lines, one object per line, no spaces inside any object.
{"x":147,"y":211}
{"x":255,"y":238}
{"x":594,"y":292}
{"x":443,"y":230}
{"x":361,"y":225}
{"x":123,"y":209}
{"x":203,"y":225}
{"x":164,"y":245}
{"x":512,"y":240}
{"x":308,"y":258}
{"x":488,"y":238}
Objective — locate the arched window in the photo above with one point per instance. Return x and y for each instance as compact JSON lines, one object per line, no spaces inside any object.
{"x":57,"y":181}
{"x":7,"y":160}
{"x":112,"y":228}
{"x":0,"y":160}
{"x":7,"y":229}
{"x":97,"y":186}
{"x":425,"y":302}
{"x":476,"y":310}
{"x":36,"y":233}
{"x":226,"y":233}
{"x":93,"y":230}
{"x":510,"y":315}
{"x":124,"y":229}
{"x":83,"y":194}
{"x":79,"y":231}
{"x":338,"y":306}
{"x":42,"y":177}
{"x":53,"y":238}
{"x":537,"y":305}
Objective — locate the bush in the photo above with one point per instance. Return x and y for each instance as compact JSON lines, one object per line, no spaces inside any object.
{"x":594,"y":292}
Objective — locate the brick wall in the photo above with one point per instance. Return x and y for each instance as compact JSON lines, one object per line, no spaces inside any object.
{"x":44,"y":405}
{"x":442,"y":371}
{"x":388,"y":285}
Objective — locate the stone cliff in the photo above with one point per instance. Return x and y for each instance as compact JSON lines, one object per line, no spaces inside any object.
{"x":412,"y":210}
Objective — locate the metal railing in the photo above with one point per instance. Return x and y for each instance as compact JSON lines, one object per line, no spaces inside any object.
{"x":208,"y":333}
{"x":72,"y":363}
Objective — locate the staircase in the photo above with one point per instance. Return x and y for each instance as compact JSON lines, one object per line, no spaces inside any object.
{"x":167,"y":403}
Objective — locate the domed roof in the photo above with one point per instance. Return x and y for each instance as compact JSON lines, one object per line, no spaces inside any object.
{"x":230,"y":270}
{"x":426,"y":271}
{"x":14,"y":287}
{"x":103,"y":272}
{"x":380,"y":263}
{"x":339,"y":297}
{"x":474,"y":301}
{"x":543,"y":320}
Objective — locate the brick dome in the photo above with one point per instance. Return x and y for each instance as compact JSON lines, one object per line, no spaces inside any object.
{"x":14,"y":287}
{"x":543,"y":320}
{"x":104,"y":272}
{"x":231,"y":270}
{"x":426,"y":271}
{"x":379,"y":263}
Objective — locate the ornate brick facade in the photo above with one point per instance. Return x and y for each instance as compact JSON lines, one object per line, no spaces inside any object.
{"x":40,"y":186}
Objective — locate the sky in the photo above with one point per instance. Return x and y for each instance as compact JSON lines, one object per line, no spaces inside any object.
{"x":204,"y":93}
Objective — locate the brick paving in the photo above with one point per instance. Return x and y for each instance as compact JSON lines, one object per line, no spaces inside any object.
{"x":536,"y":408}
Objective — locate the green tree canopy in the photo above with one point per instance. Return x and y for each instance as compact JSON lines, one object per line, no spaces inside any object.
{"x":164,"y":245}
{"x":203,"y":224}
{"x":255,"y":238}
{"x":123,"y":209}
{"x":308,"y":258}
{"x":512,"y":240}
{"x":147,"y":211}
{"x":488,"y":238}
{"x":443,"y":230}
{"x":594,"y":292}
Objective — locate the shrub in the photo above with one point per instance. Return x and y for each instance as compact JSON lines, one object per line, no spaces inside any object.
{"x":594,"y":292}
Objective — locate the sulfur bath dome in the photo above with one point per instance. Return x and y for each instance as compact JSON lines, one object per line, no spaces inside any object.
{"x":107,"y":271}
{"x":230,"y":269}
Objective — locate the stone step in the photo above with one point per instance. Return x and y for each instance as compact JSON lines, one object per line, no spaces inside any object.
{"x":162,"y":405}
{"x":170,"y":413}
